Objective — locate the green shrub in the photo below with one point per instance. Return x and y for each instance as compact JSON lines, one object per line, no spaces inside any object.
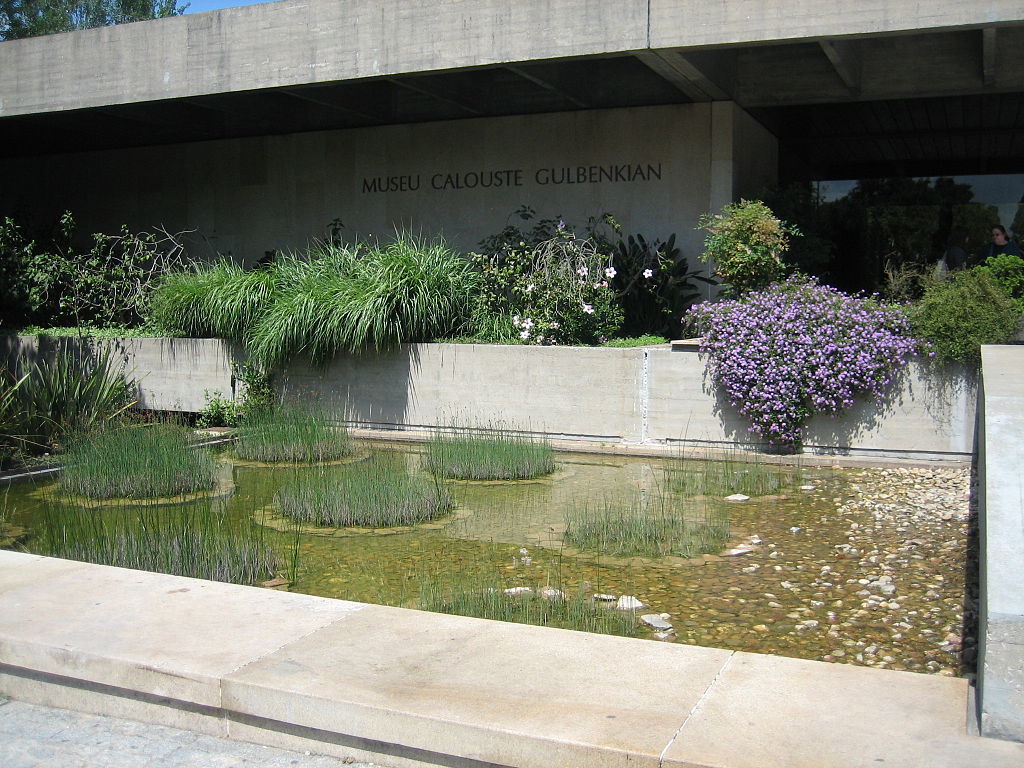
{"x":376,"y":494}
{"x":153,"y":461}
{"x":292,"y":433}
{"x":198,"y":540}
{"x":651,"y":526}
{"x":496,"y":454}
{"x":959,"y":314}
{"x":747,"y":242}
{"x":52,"y":281}
{"x":257,"y":397}
{"x":1007,"y":271}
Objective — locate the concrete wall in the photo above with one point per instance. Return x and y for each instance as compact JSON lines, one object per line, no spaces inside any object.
{"x":639,"y":396}
{"x":1001,"y":516}
{"x":248,"y":196}
{"x":310,"y":41}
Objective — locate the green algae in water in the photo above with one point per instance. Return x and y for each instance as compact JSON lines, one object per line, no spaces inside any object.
{"x":379,"y":493}
{"x":496,"y":454}
{"x":291,"y":433}
{"x":149,"y":461}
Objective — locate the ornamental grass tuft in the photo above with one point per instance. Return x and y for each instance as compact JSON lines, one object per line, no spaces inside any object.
{"x":379,"y":493}
{"x":484,"y":597}
{"x":798,"y":348}
{"x":737,"y":472}
{"x":648,"y":526}
{"x":292,"y":433}
{"x":494,"y":454}
{"x":137,"y":462}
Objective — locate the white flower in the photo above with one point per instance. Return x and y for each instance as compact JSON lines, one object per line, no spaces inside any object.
{"x":648,"y":273}
{"x":582,"y":271}
{"x":553,"y":326}
{"x":515,"y":320}
{"x":610,"y":272}
{"x":527,"y":323}
{"x":529,"y":288}
{"x":540,"y":339}
{"x":524,"y":335}
{"x":588,"y":309}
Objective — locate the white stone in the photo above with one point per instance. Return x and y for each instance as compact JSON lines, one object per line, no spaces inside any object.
{"x":654,"y":621}
{"x":737,"y":497}
{"x":518,"y":591}
{"x":605,"y":598}
{"x":628,"y":603}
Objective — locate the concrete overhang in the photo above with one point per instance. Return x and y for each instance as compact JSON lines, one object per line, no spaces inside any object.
{"x":831,"y":79}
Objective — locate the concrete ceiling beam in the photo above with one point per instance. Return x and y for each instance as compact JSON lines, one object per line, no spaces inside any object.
{"x":988,"y":56}
{"x":847,"y":60}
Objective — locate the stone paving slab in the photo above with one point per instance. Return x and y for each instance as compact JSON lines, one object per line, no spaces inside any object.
{"x":416,"y":688}
{"x":165,"y":635}
{"x":33,"y":736}
{"x":484,"y":690}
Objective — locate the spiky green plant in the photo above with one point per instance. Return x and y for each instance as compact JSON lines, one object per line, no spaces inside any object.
{"x":379,"y":493}
{"x":43,"y":401}
{"x":292,"y":433}
{"x":655,"y":525}
{"x":484,"y":597}
{"x":137,"y":462}
{"x":196,"y":540}
{"x":494,"y":454}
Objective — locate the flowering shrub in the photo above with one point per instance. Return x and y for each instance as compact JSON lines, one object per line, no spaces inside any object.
{"x":556,"y":292}
{"x":798,"y":348}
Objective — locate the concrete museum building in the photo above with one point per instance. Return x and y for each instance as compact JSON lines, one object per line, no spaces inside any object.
{"x":258,"y":126}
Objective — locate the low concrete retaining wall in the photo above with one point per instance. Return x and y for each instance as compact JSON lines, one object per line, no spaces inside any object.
{"x":1001,"y":515}
{"x":638,"y":396}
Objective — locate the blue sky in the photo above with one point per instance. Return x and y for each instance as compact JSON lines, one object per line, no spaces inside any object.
{"x":198,"y":6}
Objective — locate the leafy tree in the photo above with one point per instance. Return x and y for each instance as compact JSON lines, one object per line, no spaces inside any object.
{"x":29,"y":18}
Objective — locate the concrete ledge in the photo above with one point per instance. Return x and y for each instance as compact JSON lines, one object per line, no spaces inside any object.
{"x":1001,"y":515}
{"x":407,"y":688}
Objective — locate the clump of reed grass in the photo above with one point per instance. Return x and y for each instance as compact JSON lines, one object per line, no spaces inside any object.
{"x":197,"y":540}
{"x":291,"y":433}
{"x":379,"y":493}
{"x":737,"y":472}
{"x":484,"y":597}
{"x":651,"y":526}
{"x":147,"y":461}
{"x":496,"y":454}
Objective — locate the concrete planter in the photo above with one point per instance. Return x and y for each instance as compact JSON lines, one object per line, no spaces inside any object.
{"x":640,"y":396}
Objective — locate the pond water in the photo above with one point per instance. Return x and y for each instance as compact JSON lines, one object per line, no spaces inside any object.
{"x":837,"y":574}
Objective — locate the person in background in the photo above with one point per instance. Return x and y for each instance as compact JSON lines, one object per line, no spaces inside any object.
{"x":955,"y":257}
{"x":1001,"y":243}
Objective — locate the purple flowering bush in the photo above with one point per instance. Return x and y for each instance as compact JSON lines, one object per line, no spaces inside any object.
{"x":797,"y":348}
